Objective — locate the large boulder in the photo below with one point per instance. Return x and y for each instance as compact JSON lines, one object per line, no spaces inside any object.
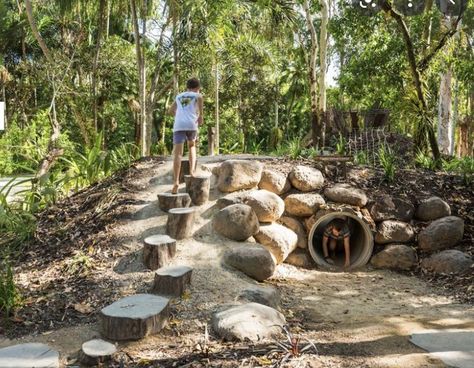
{"x":274,"y":182}
{"x":300,"y":258}
{"x":267,"y":205}
{"x":392,"y":231}
{"x":252,"y":259}
{"x":230,"y":199}
{"x":432,"y":209}
{"x":395,"y":257}
{"x":344,"y":193}
{"x":237,"y":222}
{"x":443,"y":233}
{"x":239,"y":174}
{"x":391,"y":208}
{"x":252,"y":321}
{"x":266,"y":295}
{"x":303,"y":204}
{"x":448,"y":261}
{"x":278,"y":239}
{"x":306,"y":178}
{"x":298,"y":228}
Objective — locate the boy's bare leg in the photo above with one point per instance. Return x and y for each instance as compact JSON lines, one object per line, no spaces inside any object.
{"x":347,"y":251}
{"x":332,"y":247}
{"x":177,"y":155}
{"x":192,"y":157}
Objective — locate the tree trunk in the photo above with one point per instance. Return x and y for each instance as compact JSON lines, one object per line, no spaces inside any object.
{"x":445,"y":123}
{"x":217,"y":131}
{"x":180,"y":224}
{"x":100,"y":27}
{"x":36,"y":34}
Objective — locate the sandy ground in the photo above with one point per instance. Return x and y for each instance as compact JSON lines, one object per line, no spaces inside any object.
{"x":359,"y":319}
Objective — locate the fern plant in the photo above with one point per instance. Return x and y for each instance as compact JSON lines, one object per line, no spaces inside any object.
{"x":388,"y":162}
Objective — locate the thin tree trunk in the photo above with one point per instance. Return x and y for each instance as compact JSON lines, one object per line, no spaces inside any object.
{"x":36,"y":34}
{"x":100,"y":27}
{"x":217,"y":135}
{"x":445,"y":125}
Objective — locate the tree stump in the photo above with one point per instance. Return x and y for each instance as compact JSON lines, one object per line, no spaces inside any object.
{"x":184,"y":170}
{"x":97,"y":351}
{"x":172,"y":280}
{"x":158,"y":251}
{"x":198,"y":188}
{"x":134,"y":317}
{"x":180,"y":223}
{"x":167,"y":201}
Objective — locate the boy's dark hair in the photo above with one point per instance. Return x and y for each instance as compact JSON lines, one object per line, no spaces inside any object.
{"x":338,"y":223}
{"x":193,"y":83}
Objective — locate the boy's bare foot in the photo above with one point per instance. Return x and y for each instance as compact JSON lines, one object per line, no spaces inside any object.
{"x":175,"y":189}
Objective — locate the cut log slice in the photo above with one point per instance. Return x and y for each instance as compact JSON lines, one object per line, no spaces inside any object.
{"x":167,"y":201}
{"x":198,"y":188}
{"x":158,"y":251}
{"x":97,"y":351}
{"x":184,"y":170}
{"x":180,"y":223}
{"x":172,"y":280}
{"x":134,"y":317}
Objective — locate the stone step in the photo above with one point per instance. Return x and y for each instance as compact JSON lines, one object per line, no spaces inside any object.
{"x":180,"y":224}
{"x":134,"y":317}
{"x":167,"y":201}
{"x":158,"y":251}
{"x":97,"y":351}
{"x":172,"y":281}
{"x":29,"y":355}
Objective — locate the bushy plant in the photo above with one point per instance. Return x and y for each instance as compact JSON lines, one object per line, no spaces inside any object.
{"x":387,"y":160}
{"x":341,"y":144}
{"x":9,"y":294}
{"x":425,"y":161}
{"x":463,"y":166}
{"x":361,"y":158}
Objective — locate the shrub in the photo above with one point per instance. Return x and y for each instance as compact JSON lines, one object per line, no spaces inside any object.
{"x":388,"y":162}
{"x":9,"y":294}
{"x":361,"y":158}
{"x":463,"y":166}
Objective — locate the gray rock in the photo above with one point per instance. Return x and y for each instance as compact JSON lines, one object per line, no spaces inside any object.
{"x":389,"y":208}
{"x":237,"y":222}
{"x":278,"y":239}
{"x":392,"y":231}
{"x":344,"y":193}
{"x":239,"y":174}
{"x":300,"y":258}
{"x":96,"y":351}
{"x":266,"y":295}
{"x":29,"y":355}
{"x":306,"y":178}
{"x":443,"y":233}
{"x":298,"y":228}
{"x":395,"y":257}
{"x":230,"y":199}
{"x":274,"y":182}
{"x":267,"y":205}
{"x":303,"y":204}
{"x":252,"y":259}
{"x":432,"y":208}
{"x":448,"y":261}
{"x":250,"y":321}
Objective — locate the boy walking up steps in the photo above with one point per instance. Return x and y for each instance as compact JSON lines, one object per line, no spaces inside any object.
{"x":187,"y":110}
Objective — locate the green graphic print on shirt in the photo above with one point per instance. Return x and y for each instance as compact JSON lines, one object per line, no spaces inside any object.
{"x":186,"y":100}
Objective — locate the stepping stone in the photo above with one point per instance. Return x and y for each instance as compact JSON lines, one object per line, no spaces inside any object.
{"x":134,"y":317}
{"x":250,"y":321}
{"x":167,"y":201}
{"x":180,"y":223}
{"x":266,"y":295}
{"x":172,"y":280}
{"x":97,"y":351}
{"x":158,"y":251}
{"x":29,"y":355}
{"x":198,"y":188}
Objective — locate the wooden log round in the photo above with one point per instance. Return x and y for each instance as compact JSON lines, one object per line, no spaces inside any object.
{"x":134,"y":317}
{"x":158,"y":251}
{"x":198,"y":188}
{"x":180,"y":223}
{"x":172,"y":281}
{"x":184,"y":170}
{"x":95,"y":352}
{"x":167,"y":201}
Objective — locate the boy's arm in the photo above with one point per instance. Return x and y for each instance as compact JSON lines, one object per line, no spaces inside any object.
{"x":347,"y":251}
{"x":325,"y":246}
{"x":200,"y":102}
{"x":172,"y":109}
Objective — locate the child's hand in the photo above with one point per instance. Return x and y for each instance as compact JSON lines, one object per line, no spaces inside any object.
{"x":347,"y":264}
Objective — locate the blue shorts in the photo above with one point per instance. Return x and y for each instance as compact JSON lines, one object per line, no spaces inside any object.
{"x":181,"y":136}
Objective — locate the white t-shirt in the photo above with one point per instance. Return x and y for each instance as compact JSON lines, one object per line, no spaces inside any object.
{"x":187,"y":111}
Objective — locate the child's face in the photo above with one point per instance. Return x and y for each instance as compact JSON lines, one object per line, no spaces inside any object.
{"x":335,"y":231}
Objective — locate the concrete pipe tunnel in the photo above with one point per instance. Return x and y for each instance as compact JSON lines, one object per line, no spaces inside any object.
{"x":361,"y":240}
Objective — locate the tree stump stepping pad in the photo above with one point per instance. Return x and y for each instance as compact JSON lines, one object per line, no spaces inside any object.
{"x":184,"y":170}
{"x":198,"y":188}
{"x":29,"y":355}
{"x":167,"y":201}
{"x":158,"y":251}
{"x":134,"y":317}
{"x":96,"y":351}
{"x":172,"y":280}
{"x":180,"y":223}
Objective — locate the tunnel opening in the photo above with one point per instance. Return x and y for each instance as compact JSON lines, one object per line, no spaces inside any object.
{"x":361,"y":240}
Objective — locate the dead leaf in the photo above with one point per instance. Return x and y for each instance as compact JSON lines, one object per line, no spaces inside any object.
{"x":83,"y":308}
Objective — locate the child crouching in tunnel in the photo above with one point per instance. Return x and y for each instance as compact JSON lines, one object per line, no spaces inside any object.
{"x":337,"y":234}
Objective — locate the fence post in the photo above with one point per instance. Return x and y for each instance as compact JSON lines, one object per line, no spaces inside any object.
{"x":211,"y":138}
